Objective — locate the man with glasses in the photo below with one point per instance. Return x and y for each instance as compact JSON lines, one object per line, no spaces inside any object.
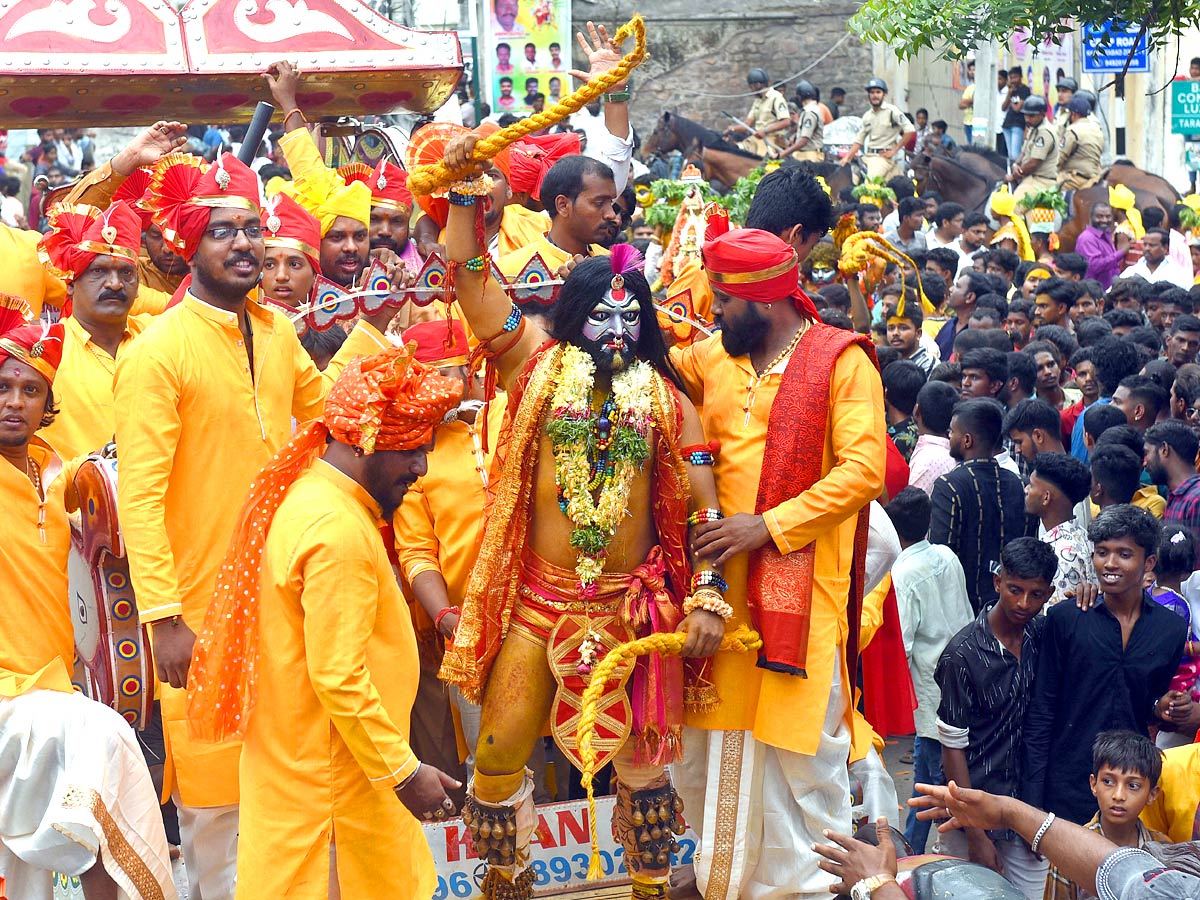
{"x":203,"y":398}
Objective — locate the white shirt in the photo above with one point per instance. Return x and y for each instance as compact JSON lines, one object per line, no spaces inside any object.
{"x":1168,"y":270}
{"x":1004,"y":458}
{"x":966,"y":260}
{"x":931,"y":597}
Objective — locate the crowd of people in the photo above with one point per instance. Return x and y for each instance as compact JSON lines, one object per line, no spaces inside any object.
{"x":950,"y":490}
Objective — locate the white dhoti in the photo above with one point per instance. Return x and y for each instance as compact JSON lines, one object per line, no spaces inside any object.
{"x":759,"y":809}
{"x":209,"y":836}
{"x":73,"y":787}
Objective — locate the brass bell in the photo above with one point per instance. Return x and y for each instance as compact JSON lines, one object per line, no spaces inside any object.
{"x":637,"y":818}
{"x":481,"y":848}
{"x":644,"y":836}
{"x":656,"y":833}
{"x":674,"y":846}
{"x":510,"y":827}
{"x":664,"y":812}
{"x":652,"y":815}
{"x":506,"y":847}
{"x":485,"y":830}
{"x":678,"y":804}
{"x":647,"y":856}
{"x":662,"y":858}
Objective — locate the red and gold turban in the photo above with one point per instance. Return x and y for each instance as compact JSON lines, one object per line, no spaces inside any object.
{"x":754,"y":265}
{"x":384,"y":402}
{"x":136,"y":189}
{"x":288,"y":224}
{"x":184,"y":191}
{"x":533,"y":157}
{"x":437,"y":345}
{"x":36,"y":344}
{"x":387,"y":181}
{"x":78,"y":234}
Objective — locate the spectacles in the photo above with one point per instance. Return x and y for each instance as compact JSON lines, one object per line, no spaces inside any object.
{"x":224,"y":233}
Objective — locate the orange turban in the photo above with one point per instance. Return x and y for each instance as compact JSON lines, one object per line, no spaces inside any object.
{"x":184,"y":191}
{"x":437,"y":345}
{"x":387,"y":181}
{"x":37,"y":345}
{"x":78,"y":234}
{"x":384,"y":402}
{"x":754,"y":265}
{"x":136,"y":189}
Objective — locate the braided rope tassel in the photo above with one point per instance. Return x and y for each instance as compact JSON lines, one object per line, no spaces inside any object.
{"x":424,"y":180}
{"x":743,"y":640}
{"x":862,"y":244}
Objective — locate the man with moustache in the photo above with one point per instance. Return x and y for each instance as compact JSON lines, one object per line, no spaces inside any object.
{"x":330,"y":784}
{"x":202,"y":400}
{"x":96,"y":254}
{"x":792,"y":541}
{"x":391,"y":209}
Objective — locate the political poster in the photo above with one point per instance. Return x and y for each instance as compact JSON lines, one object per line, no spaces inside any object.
{"x":526,"y":52}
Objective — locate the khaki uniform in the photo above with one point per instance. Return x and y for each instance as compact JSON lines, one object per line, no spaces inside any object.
{"x":1079,"y":154}
{"x":768,"y":109}
{"x":882,"y":129}
{"x":811,"y":127}
{"x":1040,"y":145}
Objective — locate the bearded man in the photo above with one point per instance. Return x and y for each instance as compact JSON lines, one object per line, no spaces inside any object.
{"x":585,"y":548}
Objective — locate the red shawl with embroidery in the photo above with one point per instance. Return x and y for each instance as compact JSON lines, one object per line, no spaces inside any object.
{"x":780,"y":585}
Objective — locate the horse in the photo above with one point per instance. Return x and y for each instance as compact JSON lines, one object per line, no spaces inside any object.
{"x":968,"y":177}
{"x":722,"y":162}
{"x":1148,"y":190}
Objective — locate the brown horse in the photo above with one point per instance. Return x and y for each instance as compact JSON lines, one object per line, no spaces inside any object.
{"x":722,"y":162}
{"x":1149,"y":191}
{"x":968,"y":177}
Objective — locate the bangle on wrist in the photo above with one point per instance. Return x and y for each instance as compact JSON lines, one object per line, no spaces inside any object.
{"x":402,"y":785}
{"x":709,"y":600}
{"x":709,"y":578}
{"x":294,"y":111}
{"x":621,"y":96}
{"x":441,"y":615}
{"x":1041,"y":832}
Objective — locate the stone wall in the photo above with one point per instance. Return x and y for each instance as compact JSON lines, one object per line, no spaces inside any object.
{"x":699,"y":49}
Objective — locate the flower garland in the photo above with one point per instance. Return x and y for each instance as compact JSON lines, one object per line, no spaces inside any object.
{"x":597,"y":456}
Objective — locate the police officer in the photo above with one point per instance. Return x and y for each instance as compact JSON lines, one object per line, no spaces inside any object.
{"x":881,"y":138}
{"x":1067,"y":86}
{"x":810,"y":141}
{"x":1037,"y":166}
{"x":768,"y":117}
{"x":1081,"y":146}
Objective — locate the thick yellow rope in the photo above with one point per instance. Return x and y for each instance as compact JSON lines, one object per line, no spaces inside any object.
{"x":858,"y":248}
{"x":742,"y":640}
{"x":425,"y":180}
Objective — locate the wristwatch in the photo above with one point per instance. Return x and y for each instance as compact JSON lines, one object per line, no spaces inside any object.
{"x":865,"y":888}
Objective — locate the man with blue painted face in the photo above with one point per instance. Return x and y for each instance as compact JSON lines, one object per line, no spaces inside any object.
{"x":602,"y":471}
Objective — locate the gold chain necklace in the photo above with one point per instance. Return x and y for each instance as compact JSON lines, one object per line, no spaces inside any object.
{"x":759,"y":375}
{"x":34,"y":471}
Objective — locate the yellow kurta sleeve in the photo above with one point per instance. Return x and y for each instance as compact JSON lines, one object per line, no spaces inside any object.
{"x":872,"y":612}
{"x":689,"y":365}
{"x":308,"y":400}
{"x":417,"y":544}
{"x":148,"y":425}
{"x":303,"y":158}
{"x":96,"y":188}
{"x":149,"y":301}
{"x":339,"y":598}
{"x":857,"y":442}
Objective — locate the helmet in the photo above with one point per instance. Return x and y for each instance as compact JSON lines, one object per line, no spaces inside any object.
{"x":1089,"y":96}
{"x":757,"y":76}
{"x":1067,"y":83}
{"x":876,"y":83}
{"x":805,"y":90}
{"x":1034,"y":106}
{"x":1081,"y":105}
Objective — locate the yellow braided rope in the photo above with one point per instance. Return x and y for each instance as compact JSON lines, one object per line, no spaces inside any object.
{"x":860,"y":246}
{"x":425,"y":180}
{"x":742,"y":640}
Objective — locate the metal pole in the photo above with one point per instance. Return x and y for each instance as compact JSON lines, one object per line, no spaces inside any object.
{"x":987,"y":106}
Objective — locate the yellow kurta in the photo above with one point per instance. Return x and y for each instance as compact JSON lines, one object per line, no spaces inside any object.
{"x":327,"y":740}
{"x":24,"y":274}
{"x":1174,"y":811}
{"x":194,"y":428}
{"x":511,"y":264}
{"x":783,"y":710}
{"x":83,"y":388}
{"x":37,"y":640}
{"x":439,"y":523}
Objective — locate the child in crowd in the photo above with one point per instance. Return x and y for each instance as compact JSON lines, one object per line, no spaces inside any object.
{"x":1176,"y":559}
{"x":986,"y":676}
{"x":1125,"y":772}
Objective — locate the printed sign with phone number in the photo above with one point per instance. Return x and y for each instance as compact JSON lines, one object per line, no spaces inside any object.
{"x":560,"y":851}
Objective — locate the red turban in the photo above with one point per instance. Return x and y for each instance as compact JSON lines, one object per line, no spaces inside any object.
{"x":387,"y":181}
{"x":288,"y":224}
{"x":184,"y":191}
{"x":136,"y":189}
{"x":37,"y":345}
{"x":754,"y":265}
{"x":78,"y":234}
{"x":439,"y":345}
{"x":533,"y":157}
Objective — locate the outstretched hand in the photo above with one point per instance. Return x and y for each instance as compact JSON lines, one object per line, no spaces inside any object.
{"x":601,"y":51}
{"x":851,"y":860}
{"x":961,"y":807}
{"x":150,"y":146}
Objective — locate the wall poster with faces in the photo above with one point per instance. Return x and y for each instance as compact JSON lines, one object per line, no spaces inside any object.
{"x":525,"y":61}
